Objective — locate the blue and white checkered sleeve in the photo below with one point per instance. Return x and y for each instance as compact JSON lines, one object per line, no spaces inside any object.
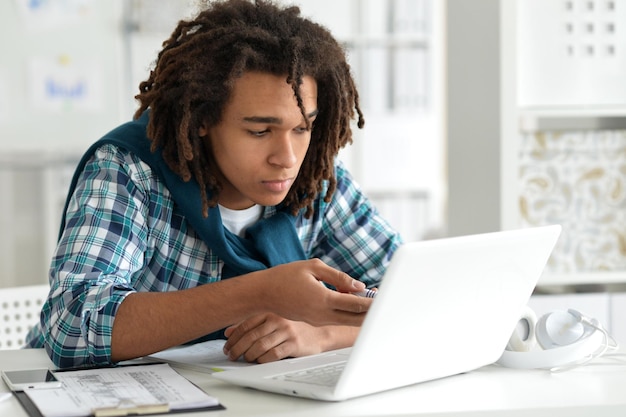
{"x":101,"y":246}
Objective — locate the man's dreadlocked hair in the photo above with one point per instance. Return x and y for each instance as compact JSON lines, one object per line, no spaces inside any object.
{"x":194,"y":75}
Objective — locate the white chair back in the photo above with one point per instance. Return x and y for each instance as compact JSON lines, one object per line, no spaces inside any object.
{"x":19,"y":312}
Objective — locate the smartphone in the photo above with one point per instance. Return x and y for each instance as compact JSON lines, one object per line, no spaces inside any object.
{"x":30,"y":379}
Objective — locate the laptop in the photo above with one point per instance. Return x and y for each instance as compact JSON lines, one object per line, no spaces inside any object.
{"x":444,"y":307}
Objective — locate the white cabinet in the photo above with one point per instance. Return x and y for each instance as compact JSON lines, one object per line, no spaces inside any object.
{"x":618,"y":316}
{"x":535,"y":135}
{"x":571,"y":53}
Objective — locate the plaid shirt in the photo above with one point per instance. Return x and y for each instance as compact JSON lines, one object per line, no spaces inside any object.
{"x":123,"y":235}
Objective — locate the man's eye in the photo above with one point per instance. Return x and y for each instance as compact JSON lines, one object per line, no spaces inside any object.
{"x":257,"y":132}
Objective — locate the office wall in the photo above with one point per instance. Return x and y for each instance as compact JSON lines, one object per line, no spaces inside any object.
{"x":60,"y":68}
{"x":60,"y":77}
{"x":474,"y":116}
{"x":394,"y":48}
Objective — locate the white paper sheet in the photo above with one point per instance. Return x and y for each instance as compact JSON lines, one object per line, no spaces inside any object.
{"x":85,"y":391}
{"x":204,"y":357}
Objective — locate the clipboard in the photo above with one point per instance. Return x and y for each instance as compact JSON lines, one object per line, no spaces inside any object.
{"x":33,"y":411}
{"x":125,"y":406}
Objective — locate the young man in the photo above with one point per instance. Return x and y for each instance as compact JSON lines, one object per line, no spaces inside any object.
{"x":219,"y":210}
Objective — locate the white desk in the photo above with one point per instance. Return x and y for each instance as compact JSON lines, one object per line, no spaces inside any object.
{"x":597,"y":389}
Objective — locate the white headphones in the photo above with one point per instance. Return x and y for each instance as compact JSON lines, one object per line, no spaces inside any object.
{"x":564,"y":339}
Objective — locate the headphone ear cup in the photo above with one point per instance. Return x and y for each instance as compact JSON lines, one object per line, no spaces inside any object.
{"x":523,"y":336}
{"x":567,"y":337}
{"x":559,"y":328}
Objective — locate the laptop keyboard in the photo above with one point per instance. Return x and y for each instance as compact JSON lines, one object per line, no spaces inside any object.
{"x":325,"y":375}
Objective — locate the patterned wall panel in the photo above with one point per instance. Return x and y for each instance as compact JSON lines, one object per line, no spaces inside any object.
{"x":577,"y":179}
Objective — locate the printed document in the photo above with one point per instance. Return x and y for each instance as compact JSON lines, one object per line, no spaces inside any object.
{"x":136,"y":389}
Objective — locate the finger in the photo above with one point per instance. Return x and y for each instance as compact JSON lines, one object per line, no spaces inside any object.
{"x":278,"y":352}
{"x":345,"y":309}
{"x":348,"y":303}
{"x":340,"y":280}
{"x":348,"y":319}
{"x":235,"y":333}
{"x":254,"y":341}
{"x":340,"y":314}
{"x":267,"y":347}
{"x":237,"y":330}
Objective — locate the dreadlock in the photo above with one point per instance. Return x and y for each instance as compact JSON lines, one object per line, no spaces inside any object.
{"x":193,"y":77}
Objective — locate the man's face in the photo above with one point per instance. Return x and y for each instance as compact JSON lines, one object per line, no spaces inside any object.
{"x":262,"y":139}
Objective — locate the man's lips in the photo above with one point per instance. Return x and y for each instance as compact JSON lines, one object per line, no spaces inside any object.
{"x":279,"y":185}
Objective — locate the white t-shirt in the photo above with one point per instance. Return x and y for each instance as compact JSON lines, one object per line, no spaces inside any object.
{"x":237,"y":221}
